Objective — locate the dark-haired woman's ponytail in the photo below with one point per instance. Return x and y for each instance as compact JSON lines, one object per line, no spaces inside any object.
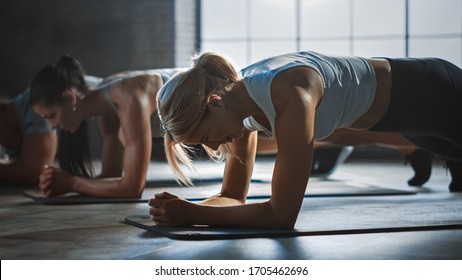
{"x":50,"y":82}
{"x":71,"y":71}
{"x":74,"y":152}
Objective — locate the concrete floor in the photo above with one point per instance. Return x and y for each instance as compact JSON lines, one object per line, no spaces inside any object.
{"x":96,"y":231}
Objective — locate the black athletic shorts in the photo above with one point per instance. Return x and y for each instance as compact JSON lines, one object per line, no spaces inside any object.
{"x":426,"y":105}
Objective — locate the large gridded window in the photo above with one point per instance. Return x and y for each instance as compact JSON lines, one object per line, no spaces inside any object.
{"x":249,"y":30}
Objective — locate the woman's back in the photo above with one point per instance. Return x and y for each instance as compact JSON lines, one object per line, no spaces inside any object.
{"x":349,"y":87}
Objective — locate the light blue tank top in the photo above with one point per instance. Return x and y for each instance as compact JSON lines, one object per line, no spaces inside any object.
{"x":349,"y":89}
{"x":29,"y":121}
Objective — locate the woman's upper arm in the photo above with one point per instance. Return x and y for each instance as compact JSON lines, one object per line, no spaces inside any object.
{"x":112,"y":154}
{"x":238,"y":171}
{"x":294,"y":127}
{"x":134,"y":116}
{"x":39,"y":149}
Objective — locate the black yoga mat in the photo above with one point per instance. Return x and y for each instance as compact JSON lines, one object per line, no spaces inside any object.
{"x":258,"y":190}
{"x":75,"y":198}
{"x":198,"y":182}
{"x":328,"y":221}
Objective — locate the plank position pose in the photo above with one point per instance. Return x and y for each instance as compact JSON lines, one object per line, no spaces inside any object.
{"x":57,"y":84}
{"x":124,"y":104}
{"x":296,"y":98}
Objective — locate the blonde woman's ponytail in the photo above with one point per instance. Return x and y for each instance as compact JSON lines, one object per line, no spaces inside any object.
{"x":181,"y":104}
{"x":216,"y":65}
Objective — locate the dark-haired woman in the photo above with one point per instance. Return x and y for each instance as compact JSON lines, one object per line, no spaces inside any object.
{"x":28,"y":139}
{"x":124,"y":104}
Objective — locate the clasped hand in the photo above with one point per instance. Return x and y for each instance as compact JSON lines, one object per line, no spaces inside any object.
{"x":54,"y":181}
{"x":170,"y":210}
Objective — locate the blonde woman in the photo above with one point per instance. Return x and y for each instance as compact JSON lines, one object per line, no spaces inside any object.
{"x":124,"y":104}
{"x":296,"y":98}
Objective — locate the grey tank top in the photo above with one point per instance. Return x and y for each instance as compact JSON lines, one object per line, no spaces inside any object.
{"x":349,"y":89}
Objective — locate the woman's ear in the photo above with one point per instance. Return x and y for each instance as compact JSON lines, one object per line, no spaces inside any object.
{"x":214,"y":100}
{"x":70,"y":96}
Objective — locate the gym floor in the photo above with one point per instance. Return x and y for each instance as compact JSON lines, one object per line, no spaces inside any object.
{"x":30,"y":230}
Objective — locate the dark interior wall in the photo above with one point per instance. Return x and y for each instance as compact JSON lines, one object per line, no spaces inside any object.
{"x":107,"y":36}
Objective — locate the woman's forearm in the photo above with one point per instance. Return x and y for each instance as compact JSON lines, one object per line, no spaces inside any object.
{"x":255,"y":215}
{"x":218,"y":200}
{"x":19,"y":172}
{"x":108,"y":187}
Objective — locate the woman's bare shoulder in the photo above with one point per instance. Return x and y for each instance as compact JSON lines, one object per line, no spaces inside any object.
{"x":137,"y":89}
{"x":142,"y":82}
{"x":300,"y":81}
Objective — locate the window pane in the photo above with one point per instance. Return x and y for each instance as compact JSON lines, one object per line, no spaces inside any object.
{"x":334,"y":47}
{"x":260,"y":50}
{"x":249,"y":30}
{"x":223,"y":19}
{"x":378,"y":17}
{"x":369,"y":48}
{"x":325,"y":18}
{"x":435,"y":17}
{"x":449,"y":49}
{"x":236,"y":51}
{"x":272,"y":19}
